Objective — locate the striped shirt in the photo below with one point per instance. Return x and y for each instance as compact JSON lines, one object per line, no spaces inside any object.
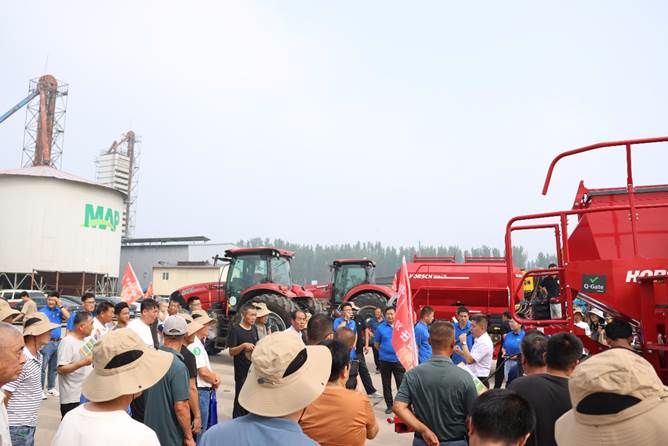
{"x":26,"y":392}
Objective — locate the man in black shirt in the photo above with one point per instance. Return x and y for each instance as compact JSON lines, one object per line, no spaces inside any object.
{"x":241,"y":341}
{"x":361,"y":348}
{"x":547,"y":393}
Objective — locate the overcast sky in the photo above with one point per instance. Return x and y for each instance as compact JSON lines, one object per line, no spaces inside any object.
{"x":332,"y":122}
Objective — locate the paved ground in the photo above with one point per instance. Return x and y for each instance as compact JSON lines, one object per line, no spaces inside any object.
{"x":49,"y":415}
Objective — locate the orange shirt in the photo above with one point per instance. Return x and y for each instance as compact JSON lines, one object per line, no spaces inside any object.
{"x":339,"y":417}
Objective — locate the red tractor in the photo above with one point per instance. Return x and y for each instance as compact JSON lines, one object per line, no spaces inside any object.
{"x":353,"y":280}
{"x":479,"y":284}
{"x":613,"y":257}
{"x":255,"y":275}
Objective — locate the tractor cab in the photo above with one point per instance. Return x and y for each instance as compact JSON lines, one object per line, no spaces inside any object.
{"x":347,"y":274}
{"x":256,"y":267}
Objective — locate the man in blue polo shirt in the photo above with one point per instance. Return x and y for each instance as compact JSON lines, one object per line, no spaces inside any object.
{"x":389,"y":363}
{"x":422,"y":334}
{"x":463,"y":325}
{"x":56,"y":313}
{"x":511,"y":346}
{"x":87,"y":306}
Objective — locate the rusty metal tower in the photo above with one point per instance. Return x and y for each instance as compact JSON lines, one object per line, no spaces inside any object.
{"x":117,"y":167}
{"x":45,"y":123}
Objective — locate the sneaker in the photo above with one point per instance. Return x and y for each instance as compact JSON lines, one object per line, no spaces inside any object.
{"x":388,"y":411}
{"x":375,"y":395}
{"x":43,"y":395}
{"x":53,"y":392}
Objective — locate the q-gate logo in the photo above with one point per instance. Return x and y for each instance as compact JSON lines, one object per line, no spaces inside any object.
{"x":101,"y":217}
{"x":593,"y":284}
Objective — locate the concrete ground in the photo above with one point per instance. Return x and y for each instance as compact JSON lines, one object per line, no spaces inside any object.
{"x":49,"y":415}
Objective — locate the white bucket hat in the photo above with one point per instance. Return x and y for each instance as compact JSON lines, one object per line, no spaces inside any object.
{"x":124,"y":365}
{"x":285,"y":376}
{"x":617,"y":371}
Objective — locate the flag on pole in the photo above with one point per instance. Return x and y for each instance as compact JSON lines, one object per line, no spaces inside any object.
{"x":130,"y":289}
{"x":403,"y":336}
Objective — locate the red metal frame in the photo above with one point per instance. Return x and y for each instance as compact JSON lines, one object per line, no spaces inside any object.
{"x":650,"y":297}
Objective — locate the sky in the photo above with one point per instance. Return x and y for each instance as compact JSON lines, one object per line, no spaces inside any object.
{"x":332,"y":122}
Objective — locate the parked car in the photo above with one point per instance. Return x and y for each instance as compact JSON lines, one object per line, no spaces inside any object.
{"x":14,"y":300}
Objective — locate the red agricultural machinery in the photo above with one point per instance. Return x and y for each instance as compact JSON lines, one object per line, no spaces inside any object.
{"x":614,"y":258}
{"x":480,"y":284}
{"x":255,"y":275}
{"x":353,"y":280}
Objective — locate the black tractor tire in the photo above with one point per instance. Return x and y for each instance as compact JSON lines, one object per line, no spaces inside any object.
{"x":279,"y":305}
{"x":314,"y":306}
{"x":367,"y":303}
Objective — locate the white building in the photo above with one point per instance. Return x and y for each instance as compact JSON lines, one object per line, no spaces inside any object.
{"x":58,"y":231}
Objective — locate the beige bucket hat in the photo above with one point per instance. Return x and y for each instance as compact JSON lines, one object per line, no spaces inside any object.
{"x":202,"y":317}
{"x":37,"y":324}
{"x":6,"y":311}
{"x":262,"y":309}
{"x":193,"y":327}
{"x":285,"y":376}
{"x":622,"y":372}
{"x":123,"y":365}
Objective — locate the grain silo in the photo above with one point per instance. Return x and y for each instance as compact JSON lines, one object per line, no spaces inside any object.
{"x":58,"y":231}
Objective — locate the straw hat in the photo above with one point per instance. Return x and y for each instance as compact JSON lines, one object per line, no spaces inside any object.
{"x":285,"y":376}
{"x":124,"y":365}
{"x":202,"y":317}
{"x":642,"y":402}
{"x":6,"y":311}
{"x":193,"y":327}
{"x":37,"y":324}
{"x":262,"y":309}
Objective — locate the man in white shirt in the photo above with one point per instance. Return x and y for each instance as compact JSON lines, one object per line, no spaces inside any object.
{"x":207,"y":380}
{"x":102,"y":323}
{"x":142,"y":327}
{"x":11,"y":365}
{"x":298,"y":323}
{"x":479,"y":359}
{"x":142,"y":324}
{"x":74,"y":362}
{"x":123,"y":367}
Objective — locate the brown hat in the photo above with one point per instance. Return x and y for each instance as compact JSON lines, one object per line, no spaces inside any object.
{"x":202,"y":317}
{"x":285,"y":376}
{"x":123,"y":365}
{"x":616,"y":371}
{"x":36,"y":324}
{"x":193,"y":327}
{"x":262,"y":309}
{"x":6,"y":311}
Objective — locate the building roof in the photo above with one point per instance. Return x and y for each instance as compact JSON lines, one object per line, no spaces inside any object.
{"x":50,"y":172}
{"x":163,"y":240}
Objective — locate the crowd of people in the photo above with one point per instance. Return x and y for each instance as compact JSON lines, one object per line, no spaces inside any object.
{"x":150,"y":378}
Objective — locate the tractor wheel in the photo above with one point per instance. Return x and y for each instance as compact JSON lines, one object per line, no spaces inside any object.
{"x":314,"y":306}
{"x":367,"y":303}
{"x":280,"y":308}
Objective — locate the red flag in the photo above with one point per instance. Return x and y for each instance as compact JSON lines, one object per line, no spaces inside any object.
{"x":149,"y":291}
{"x":130,"y":289}
{"x":403,"y":336}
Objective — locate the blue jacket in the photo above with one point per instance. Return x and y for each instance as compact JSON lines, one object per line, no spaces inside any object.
{"x":456,"y":358}
{"x":384,"y":338}
{"x":422,"y":341}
